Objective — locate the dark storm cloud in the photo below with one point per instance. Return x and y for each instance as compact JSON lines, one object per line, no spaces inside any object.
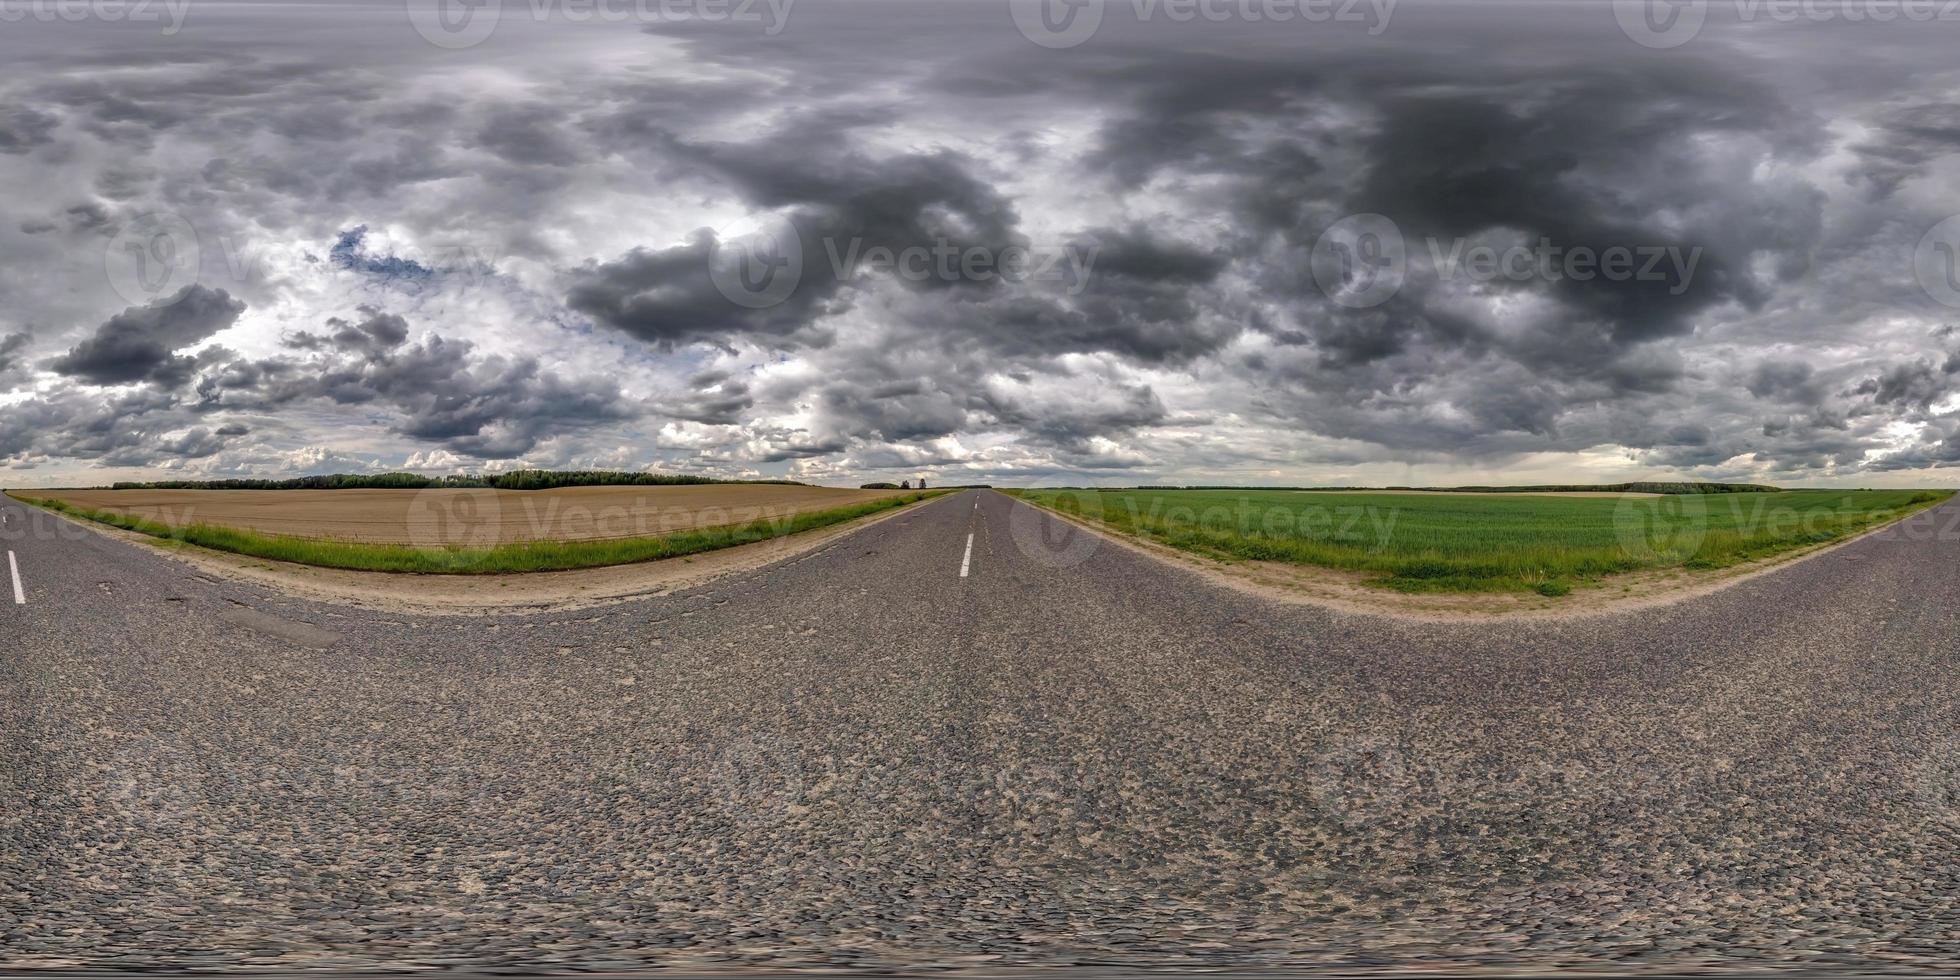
{"x":1142,"y":295}
{"x":1121,"y":409}
{"x":139,"y":344}
{"x":378,"y":331}
{"x":22,"y":129}
{"x":669,"y":296}
{"x":1909,"y":138}
{"x":130,"y":429}
{"x":1200,"y":162}
{"x":1592,"y":156}
{"x":441,"y":392}
{"x":712,"y":398}
{"x":835,"y":207}
{"x":530,"y":136}
{"x":1915,"y":385}
{"x":1782,"y":379}
{"x":10,"y":347}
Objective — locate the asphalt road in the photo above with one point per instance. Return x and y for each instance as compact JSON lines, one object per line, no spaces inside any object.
{"x":864,"y":757}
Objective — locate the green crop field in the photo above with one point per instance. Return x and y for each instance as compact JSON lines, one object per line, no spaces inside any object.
{"x":1437,"y":542}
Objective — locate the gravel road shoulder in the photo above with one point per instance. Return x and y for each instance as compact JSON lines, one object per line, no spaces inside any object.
{"x":492,"y":594}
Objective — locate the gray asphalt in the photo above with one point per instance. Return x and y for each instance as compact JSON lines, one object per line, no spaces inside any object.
{"x":859,"y":758}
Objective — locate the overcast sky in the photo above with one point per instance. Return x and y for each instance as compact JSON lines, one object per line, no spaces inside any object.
{"x":1280,"y":242}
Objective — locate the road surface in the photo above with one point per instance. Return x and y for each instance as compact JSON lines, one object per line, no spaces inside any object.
{"x":939,"y":742}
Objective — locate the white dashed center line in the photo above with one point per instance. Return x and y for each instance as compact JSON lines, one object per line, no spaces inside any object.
{"x":965,"y":560}
{"x":20,"y":597}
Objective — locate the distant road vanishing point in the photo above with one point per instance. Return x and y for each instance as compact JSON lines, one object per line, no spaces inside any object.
{"x":927,"y":745}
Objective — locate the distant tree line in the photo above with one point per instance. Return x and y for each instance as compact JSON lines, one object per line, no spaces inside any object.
{"x":1638,"y":487}
{"x":907,"y":485}
{"x":514,"y":480}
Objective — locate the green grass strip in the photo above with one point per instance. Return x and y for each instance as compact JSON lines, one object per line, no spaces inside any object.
{"x":1487,"y":543}
{"x":530,"y":556}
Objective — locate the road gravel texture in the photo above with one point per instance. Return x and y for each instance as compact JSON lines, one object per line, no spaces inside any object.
{"x":1074,"y":755}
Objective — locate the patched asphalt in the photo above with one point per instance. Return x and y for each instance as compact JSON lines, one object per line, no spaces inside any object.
{"x":1074,"y":756}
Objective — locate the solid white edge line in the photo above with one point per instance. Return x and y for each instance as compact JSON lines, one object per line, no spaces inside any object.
{"x":965,"y":560}
{"x":20,"y":597}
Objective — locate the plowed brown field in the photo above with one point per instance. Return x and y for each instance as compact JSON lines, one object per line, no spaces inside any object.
{"x":470,"y":518}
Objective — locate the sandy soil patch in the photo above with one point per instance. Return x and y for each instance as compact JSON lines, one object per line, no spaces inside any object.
{"x":493,"y":594}
{"x":470,"y":518}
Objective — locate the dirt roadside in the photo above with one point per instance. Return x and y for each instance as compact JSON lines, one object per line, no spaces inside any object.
{"x":491,"y":595}
{"x":476,"y":518}
{"x":1348,"y":592}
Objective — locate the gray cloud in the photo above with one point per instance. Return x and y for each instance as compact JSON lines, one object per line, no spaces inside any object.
{"x":10,"y":347}
{"x":439,"y":391}
{"x":338,"y":198}
{"x":139,"y":344}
